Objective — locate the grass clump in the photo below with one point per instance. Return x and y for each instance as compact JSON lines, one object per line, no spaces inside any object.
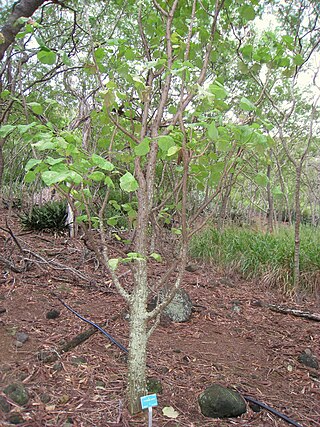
{"x":50,"y":216}
{"x":269,"y":257}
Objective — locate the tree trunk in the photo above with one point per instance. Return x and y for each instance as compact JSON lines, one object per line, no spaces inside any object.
{"x":138,"y":339}
{"x":270,"y":201}
{"x":23,"y":8}
{"x":296,"y":268}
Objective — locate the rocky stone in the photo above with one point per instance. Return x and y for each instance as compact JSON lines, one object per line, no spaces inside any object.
{"x":180,"y":308}
{"x":57,"y":367}
{"x":77,"y":361}
{"x":192,"y":268}
{"x":15,"y":418}
{"x":18,"y":393}
{"x":47,"y":356}
{"x":22,"y":337}
{"x":221,"y":402}
{"x":53,"y":314}
{"x":308,"y":359}
{"x":45,"y":398}
{"x":154,"y":385}
{"x":4,"y":405}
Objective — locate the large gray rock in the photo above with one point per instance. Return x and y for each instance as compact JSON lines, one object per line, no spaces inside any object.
{"x":180,"y":308}
{"x":221,"y":402}
{"x":308,"y":359}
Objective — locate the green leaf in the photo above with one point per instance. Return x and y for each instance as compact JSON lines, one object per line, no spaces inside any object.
{"x":102,"y":163}
{"x":47,"y":56}
{"x":30,"y":177}
{"x":298,"y":59}
{"x":165,"y":142}
{"x":113,"y":263}
{"x":247,"y":51}
{"x":31,"y":163}
{"x":99,"y":54}
{"x":36,"y":107}
{"x":25,"y":128}
{"x":213,"y":133}
{"x":173,"y":150}
{"x":128,"y":183}
{"x":246,"y":104}
{"x":5,"y":130}
{"x":247,"y":12}
{"x":223,"y":145}
{"x":143,"y":148}
{"x":156,"y":256}
{"x":96,"y":176}
{"x":113,"y":220}
{"x":108,"y":181}
{"x":51,"y":161}
{"x":261,"y":179}
{"x":52,"y":177}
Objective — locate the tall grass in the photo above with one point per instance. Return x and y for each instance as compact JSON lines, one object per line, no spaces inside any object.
{"x":268,"y":257}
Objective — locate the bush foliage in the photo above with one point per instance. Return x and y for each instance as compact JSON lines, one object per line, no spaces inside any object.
{"x":50,"y":216}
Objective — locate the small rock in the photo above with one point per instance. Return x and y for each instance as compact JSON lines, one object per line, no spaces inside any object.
{"x":308,"y":359}
{"x":221,"y":402}
{"x":192,"y":268}
{"x":53,"y":314}
{"x":47,"y":356}
{"x":15,"y":418}
{"x":77,"y":361}
{"x":4,"y":405}
{"x":45,"y":398}
{"x":154,"y":385}
{"x":18,"y":393}
{"x":179,"y":309}
{"x":18,"y":344}
{"x":100,"y":384}
{"x":57,"y":367}
{"x":64,"y":399}
{"x":22,"y":337}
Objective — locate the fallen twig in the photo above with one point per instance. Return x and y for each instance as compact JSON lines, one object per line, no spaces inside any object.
{"x":286,"y":310}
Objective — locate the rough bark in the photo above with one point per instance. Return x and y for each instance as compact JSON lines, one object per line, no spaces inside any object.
{"x":296,"y":269}
{"x":23,"y":8}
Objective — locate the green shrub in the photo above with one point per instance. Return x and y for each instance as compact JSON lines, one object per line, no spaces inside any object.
{"x":50,"y":216}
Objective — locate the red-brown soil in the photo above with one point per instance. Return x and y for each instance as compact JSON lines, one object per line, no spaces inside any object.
{"x":252,"y":349}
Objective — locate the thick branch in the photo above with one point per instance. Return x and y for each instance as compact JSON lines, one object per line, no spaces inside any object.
{"x":24,"y":8}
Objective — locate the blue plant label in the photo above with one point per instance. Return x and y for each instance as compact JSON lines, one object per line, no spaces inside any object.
{"x":149,"y":401}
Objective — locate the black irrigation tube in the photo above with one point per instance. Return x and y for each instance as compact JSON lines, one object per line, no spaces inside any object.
{"x":273,"y":411}
{"x":247,"y":398}
{"x":93,"y":324}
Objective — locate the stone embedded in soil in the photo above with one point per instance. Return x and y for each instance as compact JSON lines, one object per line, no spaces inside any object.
{"x":16,"y":418}
{"x":77,"y":361}
{"x":18,"y":393}
{"x":154,"y":385}
{"x":192,"y":268}
{"x":179,"y":309}
{"x":4,"y":405}
{"x":221,"y":402}
{"x":308,"y":359}
{"x":47,"y":356}
{"x":22,"y":337}
{"x":45,"y":398}
{"x":53,"y":314}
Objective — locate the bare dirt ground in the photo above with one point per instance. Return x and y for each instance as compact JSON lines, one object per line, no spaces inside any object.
{"x":228,"y":341}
